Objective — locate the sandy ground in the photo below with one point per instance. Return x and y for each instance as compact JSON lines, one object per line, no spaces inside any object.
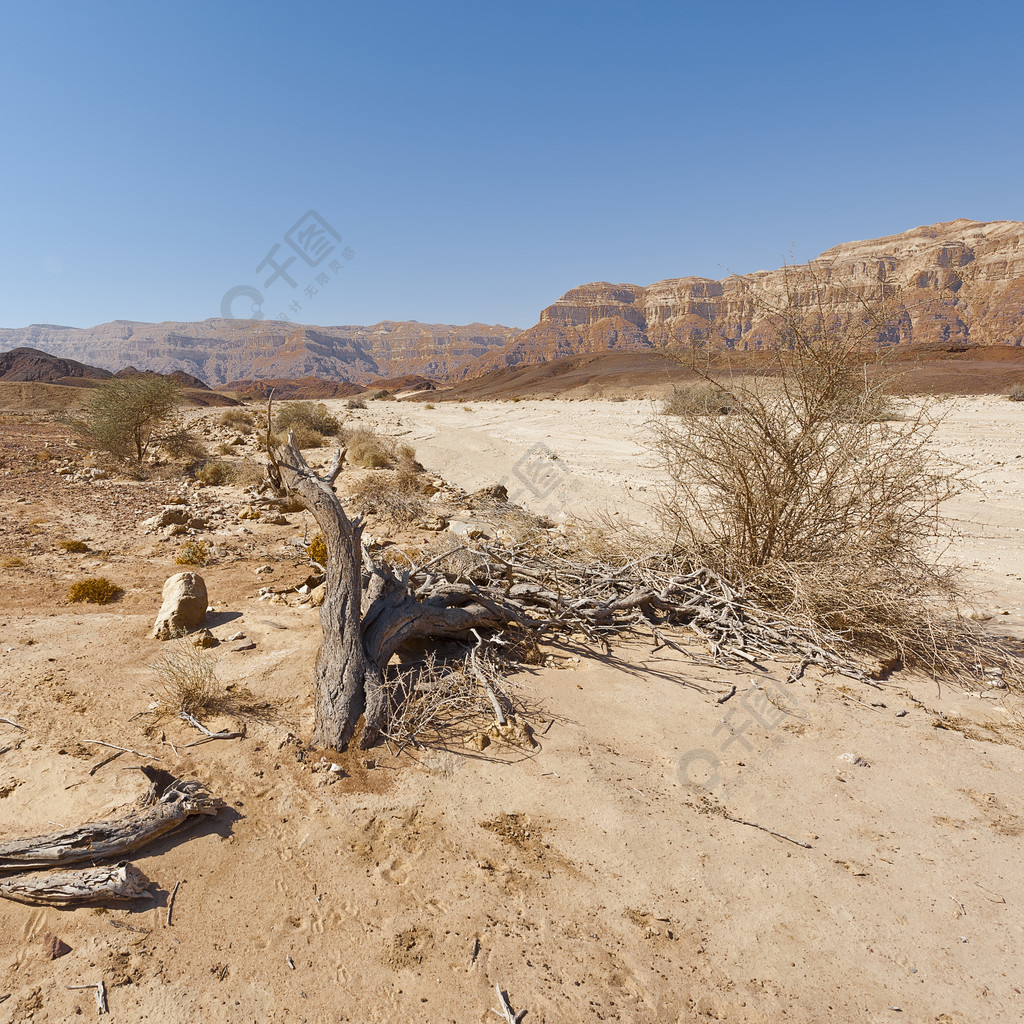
{"x":594,"y":879}
{"x":573,"y":459}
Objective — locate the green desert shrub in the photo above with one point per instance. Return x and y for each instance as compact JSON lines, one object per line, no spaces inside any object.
{"x":195,"y":552}
{"x":316,"y":550}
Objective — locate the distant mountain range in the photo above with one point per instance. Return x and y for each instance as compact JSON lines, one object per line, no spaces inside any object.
{"x":960,"y":282}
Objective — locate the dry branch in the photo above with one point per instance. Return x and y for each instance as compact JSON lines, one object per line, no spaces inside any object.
{"x":122,"y":881}
{"x":173,"y":806}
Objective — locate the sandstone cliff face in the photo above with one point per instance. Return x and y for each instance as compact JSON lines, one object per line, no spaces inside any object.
{"x":958,"y":282}
{"x":218,"y":351}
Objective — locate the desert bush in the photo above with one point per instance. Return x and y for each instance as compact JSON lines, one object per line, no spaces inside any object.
{"x":195,"y":552}
{"x":215,"y":473}
{"x":802,"y":496}
{"x":394,"y":498}
{"x":429,"y":405}
{"x":380,"y":394}
{"x":316,"y":550}
{"x":98,"y":590}
{"x":1016,"y":393}
{"x":11,"y":562}
{"x":73,"y":547}
{"x":312,"y":417}
{"x":187,"y":681}
{"x":355,"y":403}
{"x":238,"y":419}
{"x":698,"y":399}
{"x":129,"y":417}
{"x":370,"y":450}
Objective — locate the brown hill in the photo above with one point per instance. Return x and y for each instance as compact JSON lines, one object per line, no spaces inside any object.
{"x":916,"y":369}
{"x":29,"y":365}
{"x":218,"y":351}
{"x":305,"y":387}
{"x":958,"y":282}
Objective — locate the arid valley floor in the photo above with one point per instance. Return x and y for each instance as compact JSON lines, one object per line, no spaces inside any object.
{"x":594,"y":878}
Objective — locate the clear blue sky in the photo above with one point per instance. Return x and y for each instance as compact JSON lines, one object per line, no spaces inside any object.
{"x":479,"y":159}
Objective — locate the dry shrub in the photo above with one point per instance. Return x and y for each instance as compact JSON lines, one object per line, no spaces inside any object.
{"x":238,"y":419}
{"x":393,"y":498}
{"x":187,"y":681}
{"x":1016,"y":393}
{"x":195,"y":552}
{"x":355,"y":403}
{"x":97,"y":590}
{"x":698,"y":399}
{"x":74,"y":547}
{"x":11,"y":562}
{"x":215,"y":473}
{"x":312,"y":417}
{"x":371,"y":450}
{"x":821,"y":510}
{"x":429,"y":405}
{"x":437,"y":703}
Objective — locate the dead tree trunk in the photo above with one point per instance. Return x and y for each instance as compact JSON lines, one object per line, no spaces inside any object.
{"x":363,"y":629}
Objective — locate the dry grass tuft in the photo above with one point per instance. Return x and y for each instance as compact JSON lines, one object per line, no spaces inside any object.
{"x":187,"y":681}
{"x":73,"y":547}
{"x":1016,"y":393}
{"x":97,"y":590}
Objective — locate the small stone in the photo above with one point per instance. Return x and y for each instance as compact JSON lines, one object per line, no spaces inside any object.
{"x":203,"y":638}
{"x":54,"y":948}
{"x":236,"y":636}
{"x":250,"y":646}
{"x":264,"y":569}
{"x":478,"y":741}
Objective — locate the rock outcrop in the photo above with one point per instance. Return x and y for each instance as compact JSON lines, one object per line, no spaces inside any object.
{"x":956,"y":283}
{"x":184,"y":606}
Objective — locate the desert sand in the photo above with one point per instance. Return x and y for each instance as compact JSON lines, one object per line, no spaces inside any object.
{"x":595,"y":878}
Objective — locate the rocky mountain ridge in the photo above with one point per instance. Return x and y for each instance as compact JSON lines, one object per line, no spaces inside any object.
{"x":217,"y":351}
{"x":956,"y":283}
{"x":960,"y":282}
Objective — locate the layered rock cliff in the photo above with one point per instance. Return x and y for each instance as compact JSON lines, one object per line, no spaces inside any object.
{"x":953,"y":283}
{"x":218,"y":351}
{"x":957,"y":282}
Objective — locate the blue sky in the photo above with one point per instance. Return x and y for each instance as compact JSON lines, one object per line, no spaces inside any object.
{"x":479,"y":159}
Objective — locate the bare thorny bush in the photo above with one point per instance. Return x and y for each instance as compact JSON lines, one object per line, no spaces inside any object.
{"x":807,"y":495}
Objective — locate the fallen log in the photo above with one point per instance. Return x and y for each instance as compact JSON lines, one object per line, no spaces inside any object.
{"x":121,"y":881}
{"x":168,"y":808}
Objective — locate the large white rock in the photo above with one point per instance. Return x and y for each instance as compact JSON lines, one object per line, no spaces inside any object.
{"x":184,"y":607}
